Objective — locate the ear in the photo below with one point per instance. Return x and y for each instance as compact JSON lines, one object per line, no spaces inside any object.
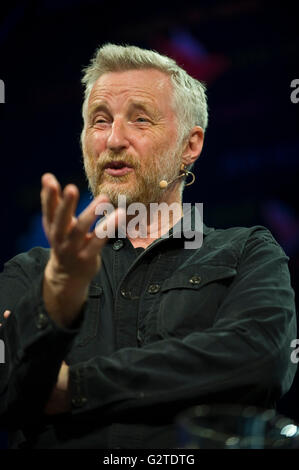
{"x":193,"y":147}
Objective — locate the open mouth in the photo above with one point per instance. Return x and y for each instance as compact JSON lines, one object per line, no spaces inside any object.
{"x":117,"y":168}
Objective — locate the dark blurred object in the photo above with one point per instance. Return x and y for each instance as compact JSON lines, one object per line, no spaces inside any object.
{"x":228,"y":426}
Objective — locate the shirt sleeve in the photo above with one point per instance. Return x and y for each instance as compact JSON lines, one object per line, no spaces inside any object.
{"x":34,"y":346}
{"x":244,"y":357}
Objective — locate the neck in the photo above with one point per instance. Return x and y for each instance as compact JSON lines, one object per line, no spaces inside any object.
{"x":155,"y":220}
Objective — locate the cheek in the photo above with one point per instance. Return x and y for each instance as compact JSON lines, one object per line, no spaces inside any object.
{"x":94,"y":143}
{"x":152,"y":145}
{"x":159,"y":149}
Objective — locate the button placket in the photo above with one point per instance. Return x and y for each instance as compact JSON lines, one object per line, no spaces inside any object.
{"x":89,"y":328}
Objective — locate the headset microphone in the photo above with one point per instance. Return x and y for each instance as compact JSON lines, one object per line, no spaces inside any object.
{"x":164,"y":184}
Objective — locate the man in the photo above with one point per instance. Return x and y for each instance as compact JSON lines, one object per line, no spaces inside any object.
{"x":107,"y":339}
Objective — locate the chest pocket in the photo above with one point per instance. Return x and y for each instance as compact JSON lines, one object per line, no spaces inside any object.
{"x":190,"y":299}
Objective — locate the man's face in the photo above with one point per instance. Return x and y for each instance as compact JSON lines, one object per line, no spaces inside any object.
{"x":130,"y":141}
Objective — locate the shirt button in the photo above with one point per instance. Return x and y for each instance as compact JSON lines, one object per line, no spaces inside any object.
{"x":78,"y":402}
{"x":118,"y":245}
{"x":41,"y":321}
{"x":153,"y":289}
{"x":125,"y":293}
{"x":195,"y":280}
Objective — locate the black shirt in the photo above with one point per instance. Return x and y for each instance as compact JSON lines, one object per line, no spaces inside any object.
{"x":163,"y":329}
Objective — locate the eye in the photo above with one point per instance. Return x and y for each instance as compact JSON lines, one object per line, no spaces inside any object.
{"x":100,"y":120}
{"x":142,"y":119}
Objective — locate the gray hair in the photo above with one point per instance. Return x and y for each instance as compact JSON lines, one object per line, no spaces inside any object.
{"x":190,"y":102}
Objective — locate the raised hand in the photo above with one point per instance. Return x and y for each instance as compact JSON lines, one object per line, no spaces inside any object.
{"x":75,"y":252}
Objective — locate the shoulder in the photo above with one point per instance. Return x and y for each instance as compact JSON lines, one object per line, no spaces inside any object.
{"x":243,"y":241}
{"x":31,"y":262}
{"x":240,"y":235}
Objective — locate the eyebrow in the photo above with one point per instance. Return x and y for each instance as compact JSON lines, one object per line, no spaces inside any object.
{"x":96,"y":107}
{"x":140,"y":105}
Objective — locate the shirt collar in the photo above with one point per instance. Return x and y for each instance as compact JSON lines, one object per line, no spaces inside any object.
{"x":192,"y":217}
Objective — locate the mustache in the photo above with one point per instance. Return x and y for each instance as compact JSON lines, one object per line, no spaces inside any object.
{"x":107,"y":157}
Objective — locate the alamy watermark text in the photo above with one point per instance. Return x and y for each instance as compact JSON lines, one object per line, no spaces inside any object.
{"x":146,"y":221}
{"x":2,"y":352}
{"x":2,"y":91}
{"x":295,"y":93}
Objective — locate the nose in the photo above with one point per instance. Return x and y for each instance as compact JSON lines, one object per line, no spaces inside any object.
{"x":118,"y":139}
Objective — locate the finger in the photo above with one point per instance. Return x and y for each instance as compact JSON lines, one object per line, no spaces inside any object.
{"x":6,"y":313}
{"x":51,"y":193}
{"x":64,"y":217}
{"x":80,"y":231}
{"x":108,"y":228}
{"x":50,"y":197}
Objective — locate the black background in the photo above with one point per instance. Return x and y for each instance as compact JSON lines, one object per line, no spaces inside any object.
{"x":247,"y":53}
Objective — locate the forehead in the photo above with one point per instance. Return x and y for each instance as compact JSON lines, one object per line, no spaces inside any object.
{"x":149,"y":85}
